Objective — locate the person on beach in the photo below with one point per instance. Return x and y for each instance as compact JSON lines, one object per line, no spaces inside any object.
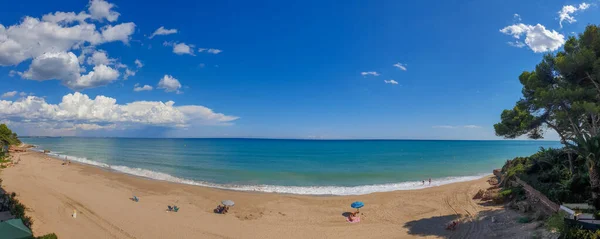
{"x":423,"y":182}
{"x":429,"y":181}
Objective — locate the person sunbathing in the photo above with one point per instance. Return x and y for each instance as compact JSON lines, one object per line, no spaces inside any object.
{"x":219,"y":209}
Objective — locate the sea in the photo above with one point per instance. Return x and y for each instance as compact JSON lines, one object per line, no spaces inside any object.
{"x":309,"y":167}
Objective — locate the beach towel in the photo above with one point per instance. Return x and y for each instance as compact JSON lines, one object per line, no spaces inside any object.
{"x":356,"y":219}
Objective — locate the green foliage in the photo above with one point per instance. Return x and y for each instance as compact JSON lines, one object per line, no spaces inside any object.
{"x":7,"y":137}
{"x":548,"y":172}
{"x":562,"y":93}
{"x":556,"y":222}
{"x":48,"y":236}
{"x":575,"y":233}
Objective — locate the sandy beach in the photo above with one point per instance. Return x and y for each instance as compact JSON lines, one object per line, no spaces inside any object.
{"x":104,"y":209}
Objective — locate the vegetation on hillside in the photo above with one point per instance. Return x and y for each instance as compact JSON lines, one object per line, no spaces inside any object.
{"x":7,"y":137}
{"x":563,"y":94}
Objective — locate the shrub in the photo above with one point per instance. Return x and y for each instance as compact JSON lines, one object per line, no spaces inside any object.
{"x":581,"y":234}
{"x":556,"y":222}
{"x":48,"y":236}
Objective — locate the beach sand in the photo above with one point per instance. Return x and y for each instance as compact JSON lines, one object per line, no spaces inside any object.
{"x":52,"y":191}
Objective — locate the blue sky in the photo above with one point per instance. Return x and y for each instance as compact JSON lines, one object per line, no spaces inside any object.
{"x":274,"y":68}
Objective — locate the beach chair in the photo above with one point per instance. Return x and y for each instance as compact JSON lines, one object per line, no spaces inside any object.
{"x":169,"y":208}
{"x":175,"y":208}
{"x":135,"y":199}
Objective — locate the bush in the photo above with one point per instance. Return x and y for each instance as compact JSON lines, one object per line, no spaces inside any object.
{"x":581,"y":234}
{"x":556,"y":222}
{"x":48,"y":236}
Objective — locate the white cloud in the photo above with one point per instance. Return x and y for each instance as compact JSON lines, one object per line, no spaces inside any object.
{"x":121,"y":32}
{"x":128,"y":73}
{"x":64,"y":66}
{"x":162,"y":31}
{"x":169,"y":84}
{"x":9,"y":94}
{"x":517,"y":44}
{"x":366,"y":73}
{"x":393,"y":82}
{"x":94,"y":126}
{"x":101,"y":75}
{"x":456,"y":126}
{"x":100,"y":58}
{"x":517,"y":17}
{"x":23,"y":94}
{"x":400,"y":66}
{"x":182,"y":48}
{"x":33,"y":37}
{"x":472,"y":126}
{"x":537,"y":37}
{"x":100,"y":9}
{"x":566,"y":13}
{"x":138,"y":63}
{"x":210,"y":50}
{"x":49,"y":41}
{"x":79,"y":109}
{"x":138,"y":88}
{"x":65,"y":17}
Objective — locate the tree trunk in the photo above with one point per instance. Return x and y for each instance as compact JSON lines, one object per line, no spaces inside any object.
{"x":571,"y":164}
{"x":595,"y":184}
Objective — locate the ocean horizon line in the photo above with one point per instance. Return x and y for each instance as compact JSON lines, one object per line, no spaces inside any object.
{"x":299,"y":139}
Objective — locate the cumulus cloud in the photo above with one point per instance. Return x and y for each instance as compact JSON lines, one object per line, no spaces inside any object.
{"x":100,"y":58}
{"x":65,"y":17}
{"x":366,"y":73}
{"x":9,"y":94}
{"x":393,"y":82}
{"x":169,"y":84}
{"x":50,"y":40}
{"x":456,"y":127}
{"x":121,"y":32}
{"x":64,"y":66}
{"x":138,"y":63}
{"x":80,"y":111}
{"x":100,"y":9}
{"x":181,"y":48}
{"x":138,"y":88}
{"x":566,"y":13}
{"x":93,"y":126}
{"x":210,"y":50}
{"x":537,"y":37}
{"x":33,"y":37}
{"x":400,"y":66}
{"x":163,"y":31}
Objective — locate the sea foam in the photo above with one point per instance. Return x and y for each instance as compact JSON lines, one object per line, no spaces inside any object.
{"x":301,"y":190}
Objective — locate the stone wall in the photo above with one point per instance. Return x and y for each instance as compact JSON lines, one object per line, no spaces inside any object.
{"x":537,"y":196}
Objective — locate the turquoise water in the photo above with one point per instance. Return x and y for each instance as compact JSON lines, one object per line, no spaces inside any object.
{"x":339,"y":167}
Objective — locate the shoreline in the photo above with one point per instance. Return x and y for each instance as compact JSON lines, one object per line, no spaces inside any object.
{"x":317,"y":190}
{"x":101,"y":198}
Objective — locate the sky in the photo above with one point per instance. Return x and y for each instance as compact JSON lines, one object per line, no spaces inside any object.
{"x":274,"y":69}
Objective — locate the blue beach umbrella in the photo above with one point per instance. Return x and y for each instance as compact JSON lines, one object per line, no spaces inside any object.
{"x":357,"y":205}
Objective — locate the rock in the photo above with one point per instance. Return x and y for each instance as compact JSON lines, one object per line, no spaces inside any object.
{"x":479,"y":194}
{"x":523,"y":206}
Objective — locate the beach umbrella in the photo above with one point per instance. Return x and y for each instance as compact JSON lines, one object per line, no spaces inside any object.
{"x":357,"y":205}
{"x":14,"y":229}
{"x":228,"y":203}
